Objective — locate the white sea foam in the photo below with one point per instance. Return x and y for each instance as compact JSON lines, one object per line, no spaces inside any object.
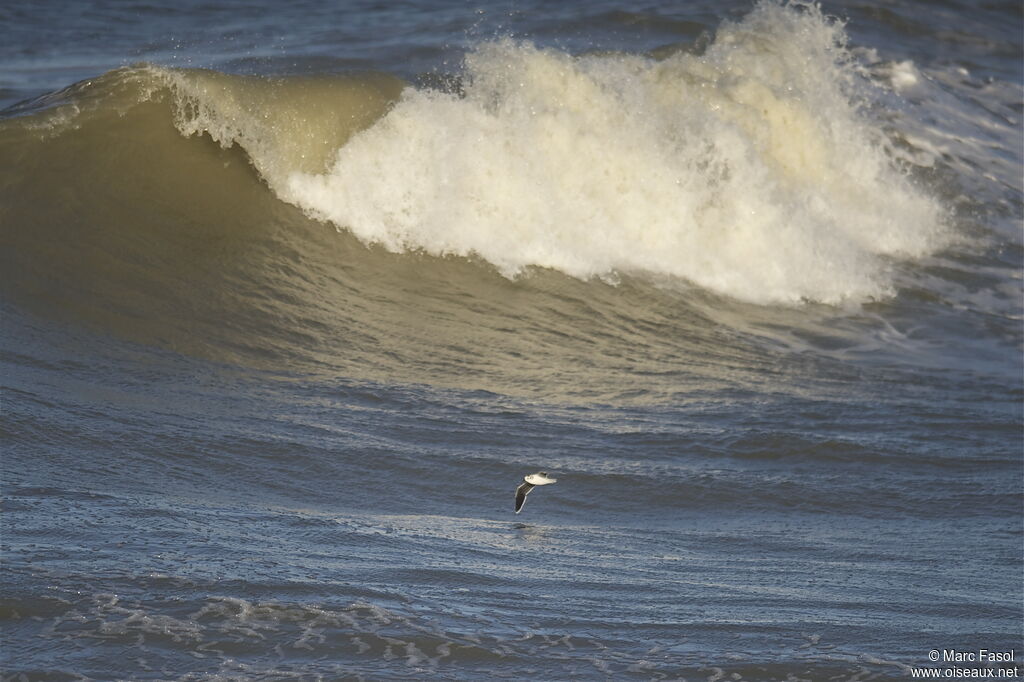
{"x":748,"y":170}
{"x":904,"y":76}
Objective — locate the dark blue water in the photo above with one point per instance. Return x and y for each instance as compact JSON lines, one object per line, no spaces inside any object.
{"x":295,"y":295}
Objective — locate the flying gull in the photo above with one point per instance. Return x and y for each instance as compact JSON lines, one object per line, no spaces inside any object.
{"x":531,"y":480}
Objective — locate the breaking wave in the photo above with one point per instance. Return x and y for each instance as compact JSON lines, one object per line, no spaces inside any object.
{"x":751,"y":168}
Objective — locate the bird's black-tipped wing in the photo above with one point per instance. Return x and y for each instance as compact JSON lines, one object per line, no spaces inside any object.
{"x":521,"y":493}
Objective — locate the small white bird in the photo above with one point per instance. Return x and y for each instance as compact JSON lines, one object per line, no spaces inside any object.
{"x":539,"y":478}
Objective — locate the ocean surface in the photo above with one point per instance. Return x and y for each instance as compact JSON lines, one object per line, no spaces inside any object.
{"x":296,"y":293}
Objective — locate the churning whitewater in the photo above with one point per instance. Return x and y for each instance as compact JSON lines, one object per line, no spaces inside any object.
{"x":753,"y":169}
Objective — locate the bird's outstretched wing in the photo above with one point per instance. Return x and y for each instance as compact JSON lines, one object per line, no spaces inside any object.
{"x":521,"y":493}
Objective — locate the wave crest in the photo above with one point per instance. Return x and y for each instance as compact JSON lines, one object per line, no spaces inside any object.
{"x":749,"y":170}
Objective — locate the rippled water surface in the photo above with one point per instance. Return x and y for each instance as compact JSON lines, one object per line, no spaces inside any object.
{"x":294,"y":296}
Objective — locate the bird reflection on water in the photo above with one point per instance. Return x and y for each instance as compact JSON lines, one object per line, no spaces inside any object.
{"x":531,"y":533}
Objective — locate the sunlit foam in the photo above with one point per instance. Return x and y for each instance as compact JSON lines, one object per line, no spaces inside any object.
{"x":750,"y":170}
